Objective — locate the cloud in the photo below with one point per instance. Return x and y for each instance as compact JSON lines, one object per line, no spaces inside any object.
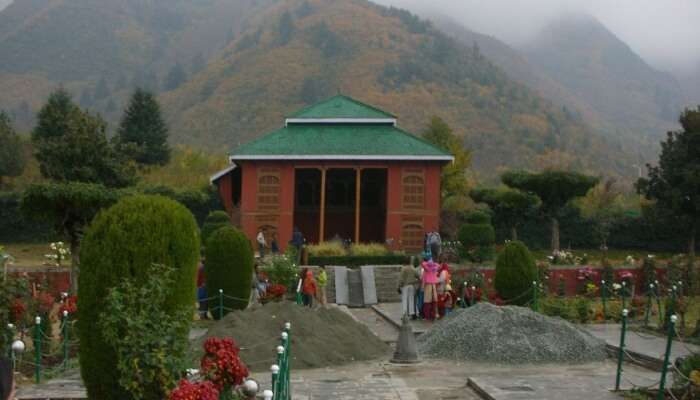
{"x":663,"y":32}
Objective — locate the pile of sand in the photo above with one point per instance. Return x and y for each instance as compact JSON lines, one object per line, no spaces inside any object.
{"x":510,"y":335}
{"x":320,"y":337}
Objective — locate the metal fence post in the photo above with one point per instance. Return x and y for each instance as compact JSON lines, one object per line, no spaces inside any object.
{"x":288,"y":330}
{"x":649,"y":304}
{"x":603,"y":296}
{"x":65,"y":340}
{"x":535,"y":306}
{"x":279,"y":390}
{"x":275,"y":369}
{"x":37,"y":349}
{"x":664,"y":367}
{"x":621,"y":352}
{"x":221,"y":303}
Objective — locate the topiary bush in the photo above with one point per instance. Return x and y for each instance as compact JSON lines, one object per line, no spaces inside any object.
{"x":228,"y":267}
{"x":214,"y":221}
{"x":477,"y":237}
{"x":122,"y":243}
{"x":515,"y":272}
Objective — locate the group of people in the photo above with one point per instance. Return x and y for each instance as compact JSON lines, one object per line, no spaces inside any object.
{"x":310,"y":287}
{"x":426,"y":291}
{"x":262,"y":239}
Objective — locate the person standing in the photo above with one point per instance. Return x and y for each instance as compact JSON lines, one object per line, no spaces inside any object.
{"x":322,"y":281}
{"x":8,"y":386}
{"x":297,"y":242}
{"x":202,"y":291}
{"x":308,"y":288}
{"x":408,"y":280}
{"x":274,"y":246}
{"x":435,"y":244}
{"x":261,"y":242}
{"x":430,"y":280}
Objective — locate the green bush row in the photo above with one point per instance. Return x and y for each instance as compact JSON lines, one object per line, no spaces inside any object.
{"x":357,"y":261}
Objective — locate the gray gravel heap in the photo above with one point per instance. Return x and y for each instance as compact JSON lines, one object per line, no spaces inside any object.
{"x":508,"y":335}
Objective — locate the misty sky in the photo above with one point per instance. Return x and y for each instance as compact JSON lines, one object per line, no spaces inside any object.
{"x":666,"y":33}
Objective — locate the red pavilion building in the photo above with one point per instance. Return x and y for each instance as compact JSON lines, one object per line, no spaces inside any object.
{"x":339,"y":168}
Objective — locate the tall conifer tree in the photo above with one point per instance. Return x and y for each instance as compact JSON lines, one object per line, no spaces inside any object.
{"x":143,"y":134}
{"x":12,"y":158}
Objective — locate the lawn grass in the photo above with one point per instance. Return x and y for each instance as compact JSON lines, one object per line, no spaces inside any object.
{"x":30,"y":255}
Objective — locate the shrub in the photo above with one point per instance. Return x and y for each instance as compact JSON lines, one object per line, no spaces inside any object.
{"x":122,"y":243}
{"x":356,"y":261}
{"x":477,"y":237}
{"x":214,"y":221}
{"x":515,"y":272}
{"x":370,"y":249}
{"x":228,"y":267}
{"x":327,"y":249}
{"x":149,"y":346}
{"x":282,"y":270}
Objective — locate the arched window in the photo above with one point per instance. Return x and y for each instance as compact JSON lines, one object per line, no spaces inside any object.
{"x":268,"y":189}
{"x":413,"y":189}
{"x":412,"y":236}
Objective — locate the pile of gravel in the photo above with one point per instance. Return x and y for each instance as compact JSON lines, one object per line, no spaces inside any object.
{"x":321,"y":337}
{"x":509,"y":335}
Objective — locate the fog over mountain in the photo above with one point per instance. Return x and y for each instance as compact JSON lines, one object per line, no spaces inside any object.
{"x":664,"y":33}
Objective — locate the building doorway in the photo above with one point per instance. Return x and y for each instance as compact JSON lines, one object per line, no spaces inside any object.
{"x":340,"y":204}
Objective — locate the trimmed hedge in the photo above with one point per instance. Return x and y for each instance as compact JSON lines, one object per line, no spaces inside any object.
{"x":16,"y":227}
{"x":515,"y":272}
{"x":477,"y":237}
{"x":357,"y":261}
{"x":214,"y":221}
{"x":228,"y":267}
{"x":123,"y":242}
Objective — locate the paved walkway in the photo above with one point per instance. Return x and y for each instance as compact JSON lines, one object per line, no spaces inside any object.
{"x":642,"y":345}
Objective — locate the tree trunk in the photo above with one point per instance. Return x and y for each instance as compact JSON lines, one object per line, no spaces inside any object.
{"x":555,"y":234}
{"x":513,"y":233}
{"x":75,"y":261}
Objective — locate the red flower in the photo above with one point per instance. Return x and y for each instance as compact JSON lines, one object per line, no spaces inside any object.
{"x":187,"y":390}
{"x":69,"y":304}
{"x":45,"y":301}
{"x":275,"y":291}
{"x":18,"y":309}
{"x":221,"y":363}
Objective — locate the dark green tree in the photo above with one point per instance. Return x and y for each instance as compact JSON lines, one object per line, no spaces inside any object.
{"x":554,"y":188}
{"x":12,"y":158}
{"x":143,"y":134}
{"x":123,"y":243}
{"x":454,"y":184}
{"x":71,"y":145}
{"x":477,"y":237}
{"x":675,"y":182}
{"x":176,"y":77}
{"x":70,"y":206}
{"x":285,"y":28}
{"x":511,"y":207}
{"x":229,"y":267}
{"x":515,"y":272}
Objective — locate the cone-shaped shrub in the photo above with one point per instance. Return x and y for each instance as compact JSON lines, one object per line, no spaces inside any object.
{"x":477,"y":237}
{"x":515,"y":272}
{"x":228,"y":267}
{"x":123,"y":242}
{"x":214,"y":221}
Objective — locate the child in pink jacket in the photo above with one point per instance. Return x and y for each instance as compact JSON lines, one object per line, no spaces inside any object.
{"x":429,"y":282}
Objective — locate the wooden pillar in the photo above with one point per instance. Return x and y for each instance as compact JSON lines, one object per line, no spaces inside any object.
{"x":322,"y":213}
{"x":358,"y":177}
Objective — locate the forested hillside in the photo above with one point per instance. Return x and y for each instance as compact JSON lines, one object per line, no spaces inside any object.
{"x":228,"y":71}
{"x":301,"y":51}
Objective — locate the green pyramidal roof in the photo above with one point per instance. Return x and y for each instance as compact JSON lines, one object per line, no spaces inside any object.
{"x":340,"y":129}
{"x":341,"y":107}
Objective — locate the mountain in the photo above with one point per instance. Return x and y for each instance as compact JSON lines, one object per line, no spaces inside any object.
{"x":630,"y":97}
{"x":248,"y":63}
{"x":386,"y":57}
{"x":100,"y":50}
